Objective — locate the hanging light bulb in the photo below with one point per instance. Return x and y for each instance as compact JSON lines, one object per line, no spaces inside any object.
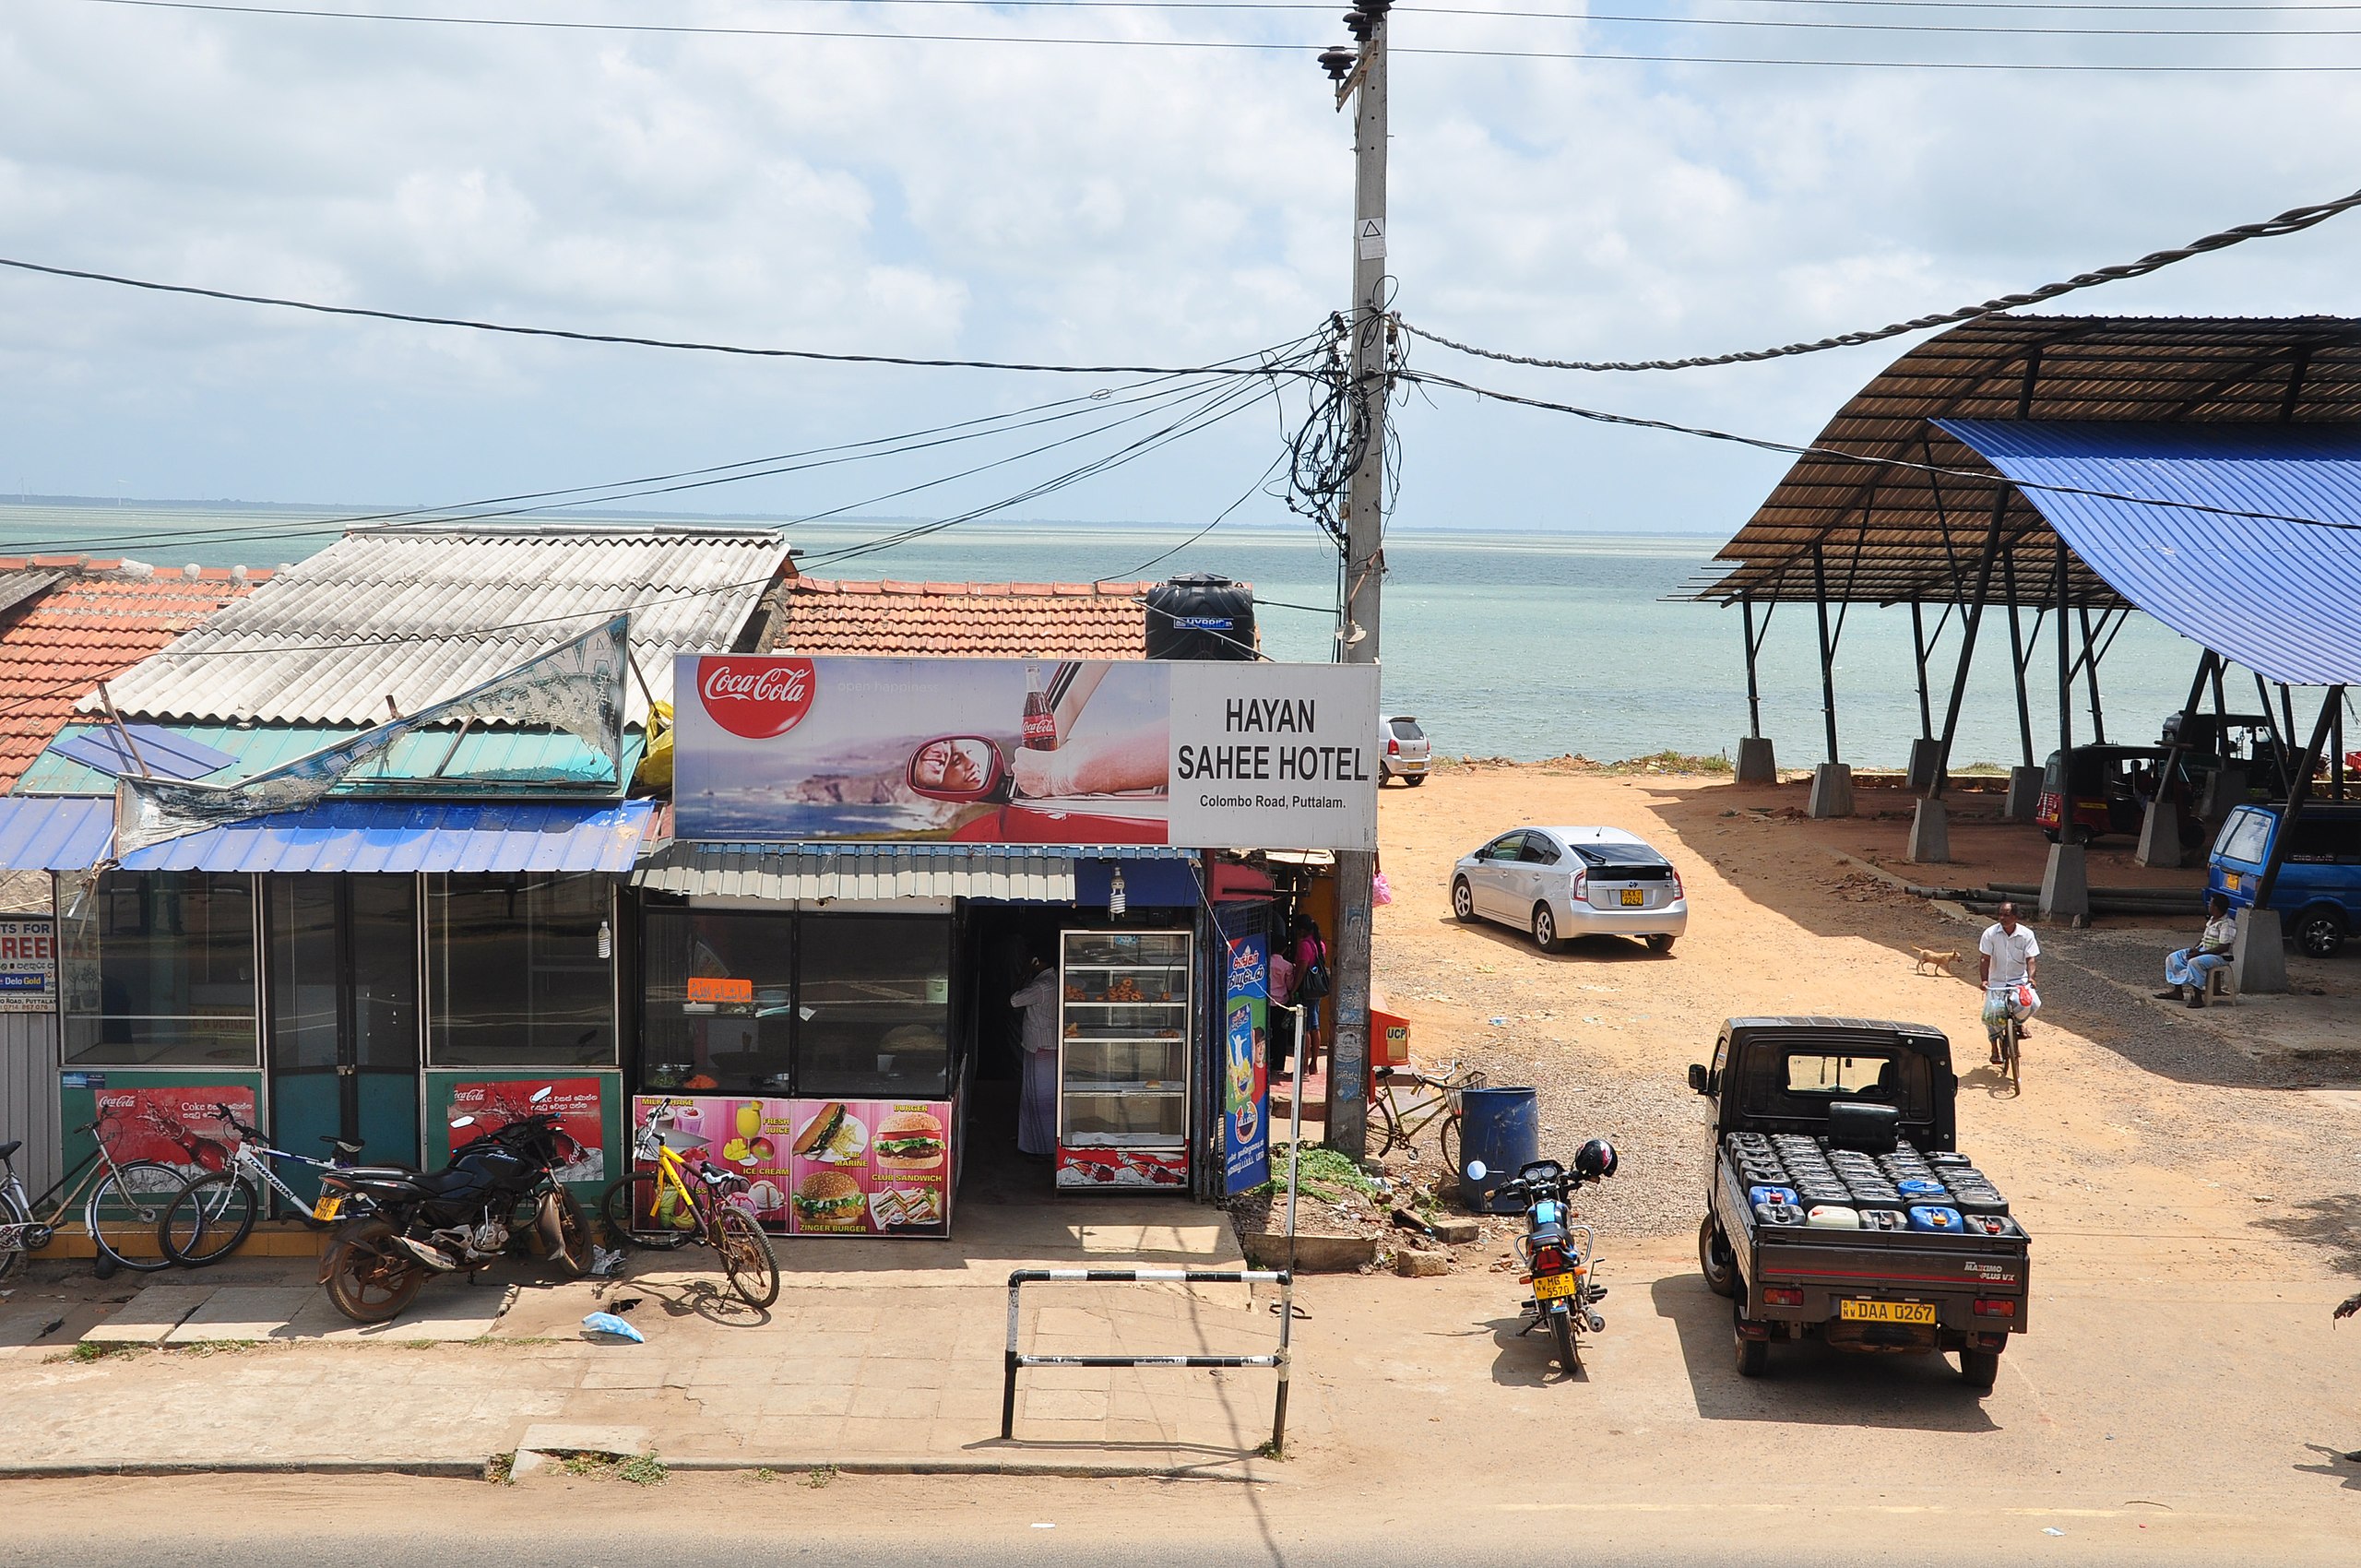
{"x":1115,"y":902}
{"x":606,"y":940}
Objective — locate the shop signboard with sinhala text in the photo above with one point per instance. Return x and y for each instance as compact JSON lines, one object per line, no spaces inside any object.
{"x":999,"y":751}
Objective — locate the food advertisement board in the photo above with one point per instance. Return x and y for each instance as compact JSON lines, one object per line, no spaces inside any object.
{"x":1245,"y":1089}
{"x":28,"y":965}
{"x":822,"y":1167}
{"x":574,"y":1101}
{"x":1012,"y":751}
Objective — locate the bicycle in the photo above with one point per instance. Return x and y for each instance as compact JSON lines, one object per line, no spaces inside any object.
{"x":661,"y":1209}
{"x":123,"y":1206}
{"x":1400,"y":1124}
{"x":213,"y":1213}
{"x":2006,"y":1031}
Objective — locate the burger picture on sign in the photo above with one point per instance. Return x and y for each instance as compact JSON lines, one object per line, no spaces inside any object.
{"x":986,"y":751}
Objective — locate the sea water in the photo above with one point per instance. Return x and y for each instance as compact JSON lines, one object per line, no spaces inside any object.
{"x":1512,"y":645}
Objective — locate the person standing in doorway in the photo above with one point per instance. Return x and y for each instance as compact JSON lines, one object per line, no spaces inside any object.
{"x":1037,"y":1112}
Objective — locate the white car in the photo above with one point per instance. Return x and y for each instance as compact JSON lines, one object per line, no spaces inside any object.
{"x":1408,"y":753}
{"x":1562,"y":881}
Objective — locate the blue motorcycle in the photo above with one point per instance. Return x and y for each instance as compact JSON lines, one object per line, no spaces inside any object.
{"x":1560,"y":1257}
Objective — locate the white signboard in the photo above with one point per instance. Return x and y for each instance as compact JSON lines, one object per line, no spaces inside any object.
{"x":1003,"y":751}
{"x":28,"y":965}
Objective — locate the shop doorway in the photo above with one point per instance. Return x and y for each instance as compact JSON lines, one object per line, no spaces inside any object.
{"x":344,"y":1014}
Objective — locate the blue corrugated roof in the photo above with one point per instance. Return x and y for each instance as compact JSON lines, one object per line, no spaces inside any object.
{"x":488,"y":759}
{"x":2283,"y":598}
{"x":68,"y":833}
{"x":384,"y":836}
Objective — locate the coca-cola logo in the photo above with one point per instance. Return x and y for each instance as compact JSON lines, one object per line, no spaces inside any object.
{"x":756,"y":698}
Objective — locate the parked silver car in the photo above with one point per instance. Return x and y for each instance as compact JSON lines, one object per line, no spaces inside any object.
{"x":1562,"y":881}
{"x":1407,"y":751}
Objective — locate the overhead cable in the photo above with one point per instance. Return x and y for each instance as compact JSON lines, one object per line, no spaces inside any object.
{"x":1261,"y":47}
{"x":623,"y":339}
{"x":1764,"y":444}
{"x":2294,"y":220}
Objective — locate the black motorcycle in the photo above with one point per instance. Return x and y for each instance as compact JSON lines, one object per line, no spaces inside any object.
{"x":409,"y":1224}
{"x":1560,"y":1258}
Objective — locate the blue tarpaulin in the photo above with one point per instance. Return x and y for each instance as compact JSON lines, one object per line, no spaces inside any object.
{"x":72,"y":834}
{"x":2282,"y":598}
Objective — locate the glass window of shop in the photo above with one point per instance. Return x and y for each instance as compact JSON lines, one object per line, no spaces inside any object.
{"x":159,"y":969}
{"x":522,"y":971}
{"x":834,"y":1006}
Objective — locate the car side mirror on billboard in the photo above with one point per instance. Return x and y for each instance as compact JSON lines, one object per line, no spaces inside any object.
{"x":958,"y":767}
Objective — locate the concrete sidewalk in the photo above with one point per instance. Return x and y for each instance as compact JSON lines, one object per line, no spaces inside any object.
{"x":876,"y":1353}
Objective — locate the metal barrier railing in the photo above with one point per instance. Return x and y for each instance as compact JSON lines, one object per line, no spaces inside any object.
{"x":1278,"y":1360}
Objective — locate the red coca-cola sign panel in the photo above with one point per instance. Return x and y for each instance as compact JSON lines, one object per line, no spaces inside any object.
{"x":756,"y":698}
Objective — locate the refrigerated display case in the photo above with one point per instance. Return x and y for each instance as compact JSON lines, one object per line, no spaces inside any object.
{"x":1124,"y":1056}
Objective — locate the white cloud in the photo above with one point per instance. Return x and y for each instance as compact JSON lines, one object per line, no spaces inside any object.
{"x":949,"y":200}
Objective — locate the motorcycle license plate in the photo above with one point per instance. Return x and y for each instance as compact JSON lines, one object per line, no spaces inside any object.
{"x":1886,"y":1312}
{"x":1551,"y":1287}
{"x":1633,"y":898}
{"x":328,"y":1208}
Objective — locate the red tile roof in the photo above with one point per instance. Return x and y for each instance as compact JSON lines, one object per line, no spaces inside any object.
{"x":100,"y":619}
{"x":960,"y":620}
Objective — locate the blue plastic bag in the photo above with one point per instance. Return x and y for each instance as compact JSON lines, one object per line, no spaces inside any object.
{"x":608,"y":1322}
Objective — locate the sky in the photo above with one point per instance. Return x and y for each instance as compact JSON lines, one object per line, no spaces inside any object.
{"x":1137,"y":204}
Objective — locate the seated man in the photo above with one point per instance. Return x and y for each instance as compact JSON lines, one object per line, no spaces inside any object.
{"x":2189,"y":968}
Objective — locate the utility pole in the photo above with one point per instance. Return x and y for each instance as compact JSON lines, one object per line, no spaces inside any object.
{"x":1360,"y":78}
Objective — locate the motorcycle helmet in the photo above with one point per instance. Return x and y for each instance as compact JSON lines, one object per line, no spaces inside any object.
{"x":1595,"y":1160}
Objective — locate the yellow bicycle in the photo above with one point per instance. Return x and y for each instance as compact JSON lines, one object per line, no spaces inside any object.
{"x":673,"y":1203}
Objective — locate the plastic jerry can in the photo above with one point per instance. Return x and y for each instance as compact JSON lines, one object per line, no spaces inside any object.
{"x":1988,"y":1225}
{"x":1833,"y":1217}
{"x":1980,"y":1202}
{"x":1778,"y":1214}
{"x":1921,"y":1188}
{"x":1942,"y":1221}
{"x":1781,"y":1195}
{"x":1875,"y":1218}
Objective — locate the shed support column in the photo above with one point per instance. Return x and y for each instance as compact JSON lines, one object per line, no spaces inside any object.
{"x":2065,"y":882}
{"x":1756,"y":764}
{"x":1832,"y":782}
{"x":2091,"y":678}
{"x":2257,"y":963}
{"x":2160,"y":828}
{"x":2025,"y":779}
{"x":1930,"y":832}
{"x":1920,"y":775}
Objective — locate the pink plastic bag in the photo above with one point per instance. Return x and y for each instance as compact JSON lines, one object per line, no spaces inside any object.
{"x":1381,"y":891}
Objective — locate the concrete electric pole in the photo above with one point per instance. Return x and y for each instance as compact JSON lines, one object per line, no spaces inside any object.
{"x":1361,"y":79}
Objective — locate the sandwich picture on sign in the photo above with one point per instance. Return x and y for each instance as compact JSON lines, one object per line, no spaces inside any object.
{"x":833,"y":1136}
{"x":908,"y":1141}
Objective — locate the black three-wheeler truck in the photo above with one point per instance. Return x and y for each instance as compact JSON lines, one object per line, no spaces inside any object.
{"x":1841,"y":1209}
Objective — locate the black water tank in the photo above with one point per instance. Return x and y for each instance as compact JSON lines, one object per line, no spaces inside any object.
{"x":1201,"y":616}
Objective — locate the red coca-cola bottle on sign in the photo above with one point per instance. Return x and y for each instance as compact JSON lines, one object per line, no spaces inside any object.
{"x":1040,"y":722}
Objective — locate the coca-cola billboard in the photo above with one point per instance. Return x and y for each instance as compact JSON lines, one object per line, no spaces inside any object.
{"x":755,"y":697}
{"x":1014,"y":750}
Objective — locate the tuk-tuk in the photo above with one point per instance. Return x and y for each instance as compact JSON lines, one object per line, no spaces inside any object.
{"x":2109,"y":788}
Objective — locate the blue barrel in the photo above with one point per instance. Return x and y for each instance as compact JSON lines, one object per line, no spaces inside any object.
{"x":1500,"y":1128}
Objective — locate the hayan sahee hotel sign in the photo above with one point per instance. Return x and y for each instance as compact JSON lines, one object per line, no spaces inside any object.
{"x":1014,"y":751}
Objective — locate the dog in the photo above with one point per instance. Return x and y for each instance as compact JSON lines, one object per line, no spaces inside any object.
{"x":1931,"y":962}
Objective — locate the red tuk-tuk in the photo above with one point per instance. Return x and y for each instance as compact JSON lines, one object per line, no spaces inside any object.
{"x":2109,"y":789}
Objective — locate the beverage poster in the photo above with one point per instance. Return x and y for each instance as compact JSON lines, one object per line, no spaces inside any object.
{"x":1245,"y":1063}
{"x":181,"y":1127}
{"x":574,"y":1101}
{"x":822,"y":1167}
{"x":28,"y":965}
{"x":1010,"y":750}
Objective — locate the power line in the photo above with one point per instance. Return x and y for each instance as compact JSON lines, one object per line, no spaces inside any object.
{"x":1764,"y":444}
{"x":2293,"y":221}
{"x":542,"y":24}
{"x":1222,"y":368}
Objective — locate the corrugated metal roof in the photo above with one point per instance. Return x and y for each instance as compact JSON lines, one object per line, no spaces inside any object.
{"x":779,"y":872}
{"x":1890,"y":535}
{"x":54,"y":834}
{"x":384,"y":836}
{"x":420,"y":615}
{"x":2283,"y":598}
{"x":487,"y":761}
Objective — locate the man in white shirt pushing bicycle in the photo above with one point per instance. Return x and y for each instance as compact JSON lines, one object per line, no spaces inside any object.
{"x":2011,"y":955}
